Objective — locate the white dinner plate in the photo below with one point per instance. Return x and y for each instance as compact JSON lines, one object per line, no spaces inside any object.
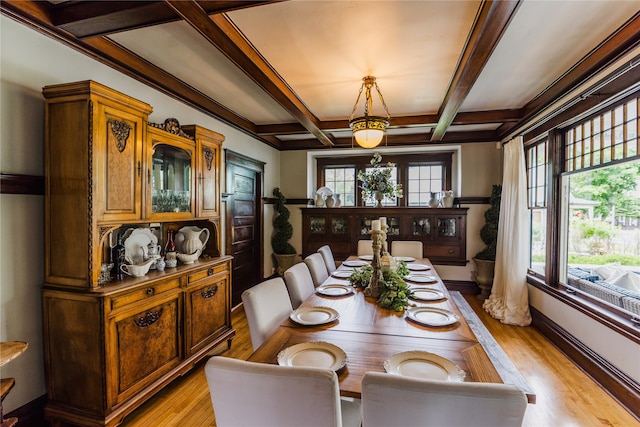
{"x":421,"y":364}
{"x":421,"y":278}
{"x":426,"y":294}
{"x":432,"y":316}
{"x":314,"y":315}
{"x":366,"y":257}
{"x":418,"y":267}
{"x":135,"y":246}
{"x":355,"y":263}
{"x":334,"y":289}
{"x":342,"y":274}
{"x":317,"y":354}
{"x":405,"y":258}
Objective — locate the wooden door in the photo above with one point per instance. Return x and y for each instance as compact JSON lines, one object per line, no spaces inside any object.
{"x":244,"y":222}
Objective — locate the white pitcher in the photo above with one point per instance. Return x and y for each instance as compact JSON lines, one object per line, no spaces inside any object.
{"x":192,"y":239}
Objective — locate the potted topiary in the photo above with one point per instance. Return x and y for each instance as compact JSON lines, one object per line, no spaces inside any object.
{"x":485,"y":259}
{"x":283,"y":251}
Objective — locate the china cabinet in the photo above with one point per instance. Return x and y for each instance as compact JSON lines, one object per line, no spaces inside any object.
{"x":112,"y":177}
{"x":441,"y":230}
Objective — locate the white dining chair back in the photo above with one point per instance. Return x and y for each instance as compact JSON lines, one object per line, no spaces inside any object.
{"x":266,"y":305}
{"x":327,"y":255}
{"x":365,"y":247}
{"x":399,"y":401}
{"x":259,"y":394}
{"x":317,"y":268}
{"x":406,"y":248}
{"x":299,"y":283}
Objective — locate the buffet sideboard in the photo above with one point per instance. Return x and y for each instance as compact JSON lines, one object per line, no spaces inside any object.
{"x":443,"y":231}
{"x":112,"y":341}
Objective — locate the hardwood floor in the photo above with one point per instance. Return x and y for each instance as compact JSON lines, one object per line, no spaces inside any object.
{"x":565,"y":395}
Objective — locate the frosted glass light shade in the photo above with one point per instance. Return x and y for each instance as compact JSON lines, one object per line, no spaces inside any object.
{"x":368,"y":131}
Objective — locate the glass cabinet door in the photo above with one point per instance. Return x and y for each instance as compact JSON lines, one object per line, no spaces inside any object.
{"x":171,"y":179}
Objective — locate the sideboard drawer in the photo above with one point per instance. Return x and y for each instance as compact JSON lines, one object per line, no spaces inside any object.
{"x":143,"y":292}
{"x":204,"y":273}
{"x":443,"y":251}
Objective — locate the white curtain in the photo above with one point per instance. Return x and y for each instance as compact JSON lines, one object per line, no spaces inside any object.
{"x":509,"y":300}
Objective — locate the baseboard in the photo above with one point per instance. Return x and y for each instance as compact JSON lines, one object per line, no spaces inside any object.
{"x":465,"y":287}
{"x":616,"y":383}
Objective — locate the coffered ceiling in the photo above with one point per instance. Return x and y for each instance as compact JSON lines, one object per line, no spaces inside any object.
{"x":289,"y":72}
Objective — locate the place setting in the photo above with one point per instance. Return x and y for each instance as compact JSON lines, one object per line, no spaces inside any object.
{"x":426,"y":294}
{"x":421,"y":278}
{"x":342,"y":274}
{"x":418,"y":267}
{"x":314,"y":316}
{"x":318,"y":354}
{"x":432,"y":316}
{"x":335,"y":290}
{"x":355,"y":263}
{"x":425,"y":365}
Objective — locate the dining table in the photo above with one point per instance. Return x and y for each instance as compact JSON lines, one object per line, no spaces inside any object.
{"x":437,"y":334}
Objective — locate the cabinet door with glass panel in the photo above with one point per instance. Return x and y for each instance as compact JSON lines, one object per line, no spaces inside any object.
{"x":170,"y":176}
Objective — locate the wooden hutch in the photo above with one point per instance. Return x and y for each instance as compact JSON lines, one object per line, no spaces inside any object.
{"x":111,"y":344}
{"x":443,"y":231}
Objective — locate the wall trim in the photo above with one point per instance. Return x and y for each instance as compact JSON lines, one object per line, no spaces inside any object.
{"x":624,"y":389}
{"x":21,"y":184}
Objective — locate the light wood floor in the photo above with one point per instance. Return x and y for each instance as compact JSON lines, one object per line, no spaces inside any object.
{"x":566,"y":397}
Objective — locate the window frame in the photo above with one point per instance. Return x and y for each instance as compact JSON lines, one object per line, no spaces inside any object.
{"x":554,"y":281}
{"x":402,"y":162}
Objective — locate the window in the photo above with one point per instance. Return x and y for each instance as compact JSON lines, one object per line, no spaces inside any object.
{"x":422,"y":181}
{"x":419,"y":174}
{"x":537,"y":183}
{"x":599,"y":236}
{"x":342,"y":181}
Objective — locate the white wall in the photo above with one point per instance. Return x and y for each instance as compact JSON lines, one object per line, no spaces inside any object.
{"x":30,"y":61}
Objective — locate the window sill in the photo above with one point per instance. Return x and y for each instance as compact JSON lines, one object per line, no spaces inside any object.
{"x":608,"y":315}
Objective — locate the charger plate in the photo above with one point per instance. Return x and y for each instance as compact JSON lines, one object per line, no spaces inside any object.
{"x":317,"y":354}
{"x":426,"y":294}
{"x":366,"y":257}
{"x":310,"y":316}
{"x":334,"y":290}
{"x":342,"y":274}
{"x":405,"y":258}
{"x":422,"y":364}
{"x":355,"y":263}
{"x":421,"y":278}
{"x":418,"y":267}
{"x":432,"y":316}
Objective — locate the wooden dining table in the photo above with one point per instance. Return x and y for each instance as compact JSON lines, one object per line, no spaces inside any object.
{"x":369,"y":335}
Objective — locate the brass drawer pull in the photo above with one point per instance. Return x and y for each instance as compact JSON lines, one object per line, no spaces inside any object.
{"x":209,"y":292}
{"x":151,"y":291}
{"x":148,"y":319}
{"x":210,"y":271}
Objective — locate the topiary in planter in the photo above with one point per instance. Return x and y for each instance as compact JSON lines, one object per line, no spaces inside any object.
{"x":282,"y":228}
{"x":489,"y":231}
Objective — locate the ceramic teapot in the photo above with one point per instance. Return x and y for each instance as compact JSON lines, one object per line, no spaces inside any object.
{"x":190,"y":239}
{"x":137,"y":270}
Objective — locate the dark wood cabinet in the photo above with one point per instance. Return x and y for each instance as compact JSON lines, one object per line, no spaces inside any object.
{"x":443,"y":231}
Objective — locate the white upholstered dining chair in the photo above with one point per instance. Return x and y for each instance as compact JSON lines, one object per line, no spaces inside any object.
{"x":260,"y":394}
{"x":299,"y":283}
{"x":266,"y":305}
{"x":406,"y":248}
{"x":317,"y":268}
{"x":365,"y":247}
{"x":327,"y":255}
{"x":400,"y":401}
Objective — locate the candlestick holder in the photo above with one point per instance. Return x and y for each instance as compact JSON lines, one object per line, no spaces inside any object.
{"x":373,"y":289}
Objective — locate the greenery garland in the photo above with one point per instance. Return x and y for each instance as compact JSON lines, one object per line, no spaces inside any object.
{"x":395,"y":292}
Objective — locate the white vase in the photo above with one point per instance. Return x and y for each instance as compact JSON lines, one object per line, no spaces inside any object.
{"x":338,"y":200}
{"x":330,"y":201}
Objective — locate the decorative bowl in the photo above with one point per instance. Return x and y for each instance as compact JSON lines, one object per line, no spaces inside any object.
{"x":189,"y":258}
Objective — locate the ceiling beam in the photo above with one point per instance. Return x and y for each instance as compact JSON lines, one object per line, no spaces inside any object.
{"x":492,"y":20}
{"x":222,"y":34}
{"x":99,"y":18}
